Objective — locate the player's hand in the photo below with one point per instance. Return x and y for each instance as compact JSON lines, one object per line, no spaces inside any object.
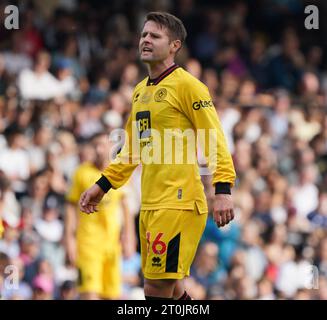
{"x":90,"y":199}
{"x":223,"y":211}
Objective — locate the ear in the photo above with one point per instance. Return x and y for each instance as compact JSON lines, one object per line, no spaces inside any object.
{"x":176,"y":45}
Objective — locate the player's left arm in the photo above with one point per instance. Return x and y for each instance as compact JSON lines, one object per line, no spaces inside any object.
{"x":200,"y":110}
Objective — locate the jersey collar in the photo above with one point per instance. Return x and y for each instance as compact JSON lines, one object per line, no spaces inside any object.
{"x":167,"y":72}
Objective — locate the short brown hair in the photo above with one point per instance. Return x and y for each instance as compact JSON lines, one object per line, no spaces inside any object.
{"x":174,"y":25}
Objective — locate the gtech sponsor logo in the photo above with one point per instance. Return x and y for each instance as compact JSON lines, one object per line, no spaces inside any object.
{"x":202,"y":104}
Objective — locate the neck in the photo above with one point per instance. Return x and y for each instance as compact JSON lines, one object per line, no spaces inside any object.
{"x":156,"y":69}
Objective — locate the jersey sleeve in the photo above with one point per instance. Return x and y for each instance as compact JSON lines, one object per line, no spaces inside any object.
{"x":121,"y":168}
{"x":197,"y":105}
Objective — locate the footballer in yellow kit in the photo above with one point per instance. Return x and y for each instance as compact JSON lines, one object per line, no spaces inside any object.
{"x":174,"y":207}
{"x":97,"y":236}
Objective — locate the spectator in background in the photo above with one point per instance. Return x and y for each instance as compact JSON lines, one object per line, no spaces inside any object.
{"x":279,"y":119}
{"x":257,"y":61}
{"x":51,"y":229}
{"x":68,"y":159}
{"x":69,"y":54}
{"x":68,"y":291}
{"x":4,"y":262}
{"x":205,"y":269}
{"x":66,"y":81}
{"x":265,"y":290}
{"x":9,"y":244}
{"x":39,"y":188}
{"x":30,"y":254}
{"x":255,"y":260}
{"x":321,"y":260}
{"x":18,"y":289}
{"x":131,"y":275}
{"x":15,"y":59}
{"x":285,"y":69}
{"x":3,"y":82}
{"x":42,"y":138}
{"x":30,"y":39}
{"x":305,"y":193}
{"x":318,"y":217}
{"x":39,"y":83}
{"x":14,"y":161}
{"x":42,"y":288}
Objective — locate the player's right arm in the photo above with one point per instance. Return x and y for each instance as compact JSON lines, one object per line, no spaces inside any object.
{"x":116,"y":173}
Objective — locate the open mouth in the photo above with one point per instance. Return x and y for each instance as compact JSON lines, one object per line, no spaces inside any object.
{"x":146,"y":50}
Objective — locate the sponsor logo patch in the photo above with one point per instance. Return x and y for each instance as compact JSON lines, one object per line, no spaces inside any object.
{"x":202,"y":104}
{"x":156,"y":262}
{"x":143,"y":120}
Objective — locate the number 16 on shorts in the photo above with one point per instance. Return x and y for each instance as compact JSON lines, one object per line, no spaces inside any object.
{"x":158,"y":246}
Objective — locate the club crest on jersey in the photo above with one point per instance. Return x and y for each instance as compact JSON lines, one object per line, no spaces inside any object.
{"x":160,"y":95}
{"x":146,"y":97}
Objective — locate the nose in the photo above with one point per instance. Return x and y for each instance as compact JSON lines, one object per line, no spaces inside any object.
{"x":147,"y":39}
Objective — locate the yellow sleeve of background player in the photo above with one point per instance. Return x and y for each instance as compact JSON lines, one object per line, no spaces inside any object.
{"x":75,"y":190}
{"x":197,"y":104}
{"x":1,"y":228}
{"x":119,"y":171}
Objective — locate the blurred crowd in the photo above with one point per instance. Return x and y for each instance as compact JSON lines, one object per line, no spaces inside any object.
{"x":69,"y":71}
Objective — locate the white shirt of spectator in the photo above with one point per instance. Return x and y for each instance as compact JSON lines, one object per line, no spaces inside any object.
{"x":306,"y":199}
{"x":16,"y":62}
{"x":228,"y":119}
{"x":15,"y":163}
{"x":49,"y":230}
{"x":38,"y":86}
{"x":293,"y":276}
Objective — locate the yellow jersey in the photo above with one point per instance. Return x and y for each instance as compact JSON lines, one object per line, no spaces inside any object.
{"x":1,"y":228}
{"x":174,"y":104}
{"x":102,"y":228}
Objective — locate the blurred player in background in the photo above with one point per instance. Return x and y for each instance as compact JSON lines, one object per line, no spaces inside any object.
{"x":93,"y":243}
{"x":174,"y":209}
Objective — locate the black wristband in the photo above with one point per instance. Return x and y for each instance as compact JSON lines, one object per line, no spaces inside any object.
{"x":104,"y":184}
{"x":222,"y":188}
